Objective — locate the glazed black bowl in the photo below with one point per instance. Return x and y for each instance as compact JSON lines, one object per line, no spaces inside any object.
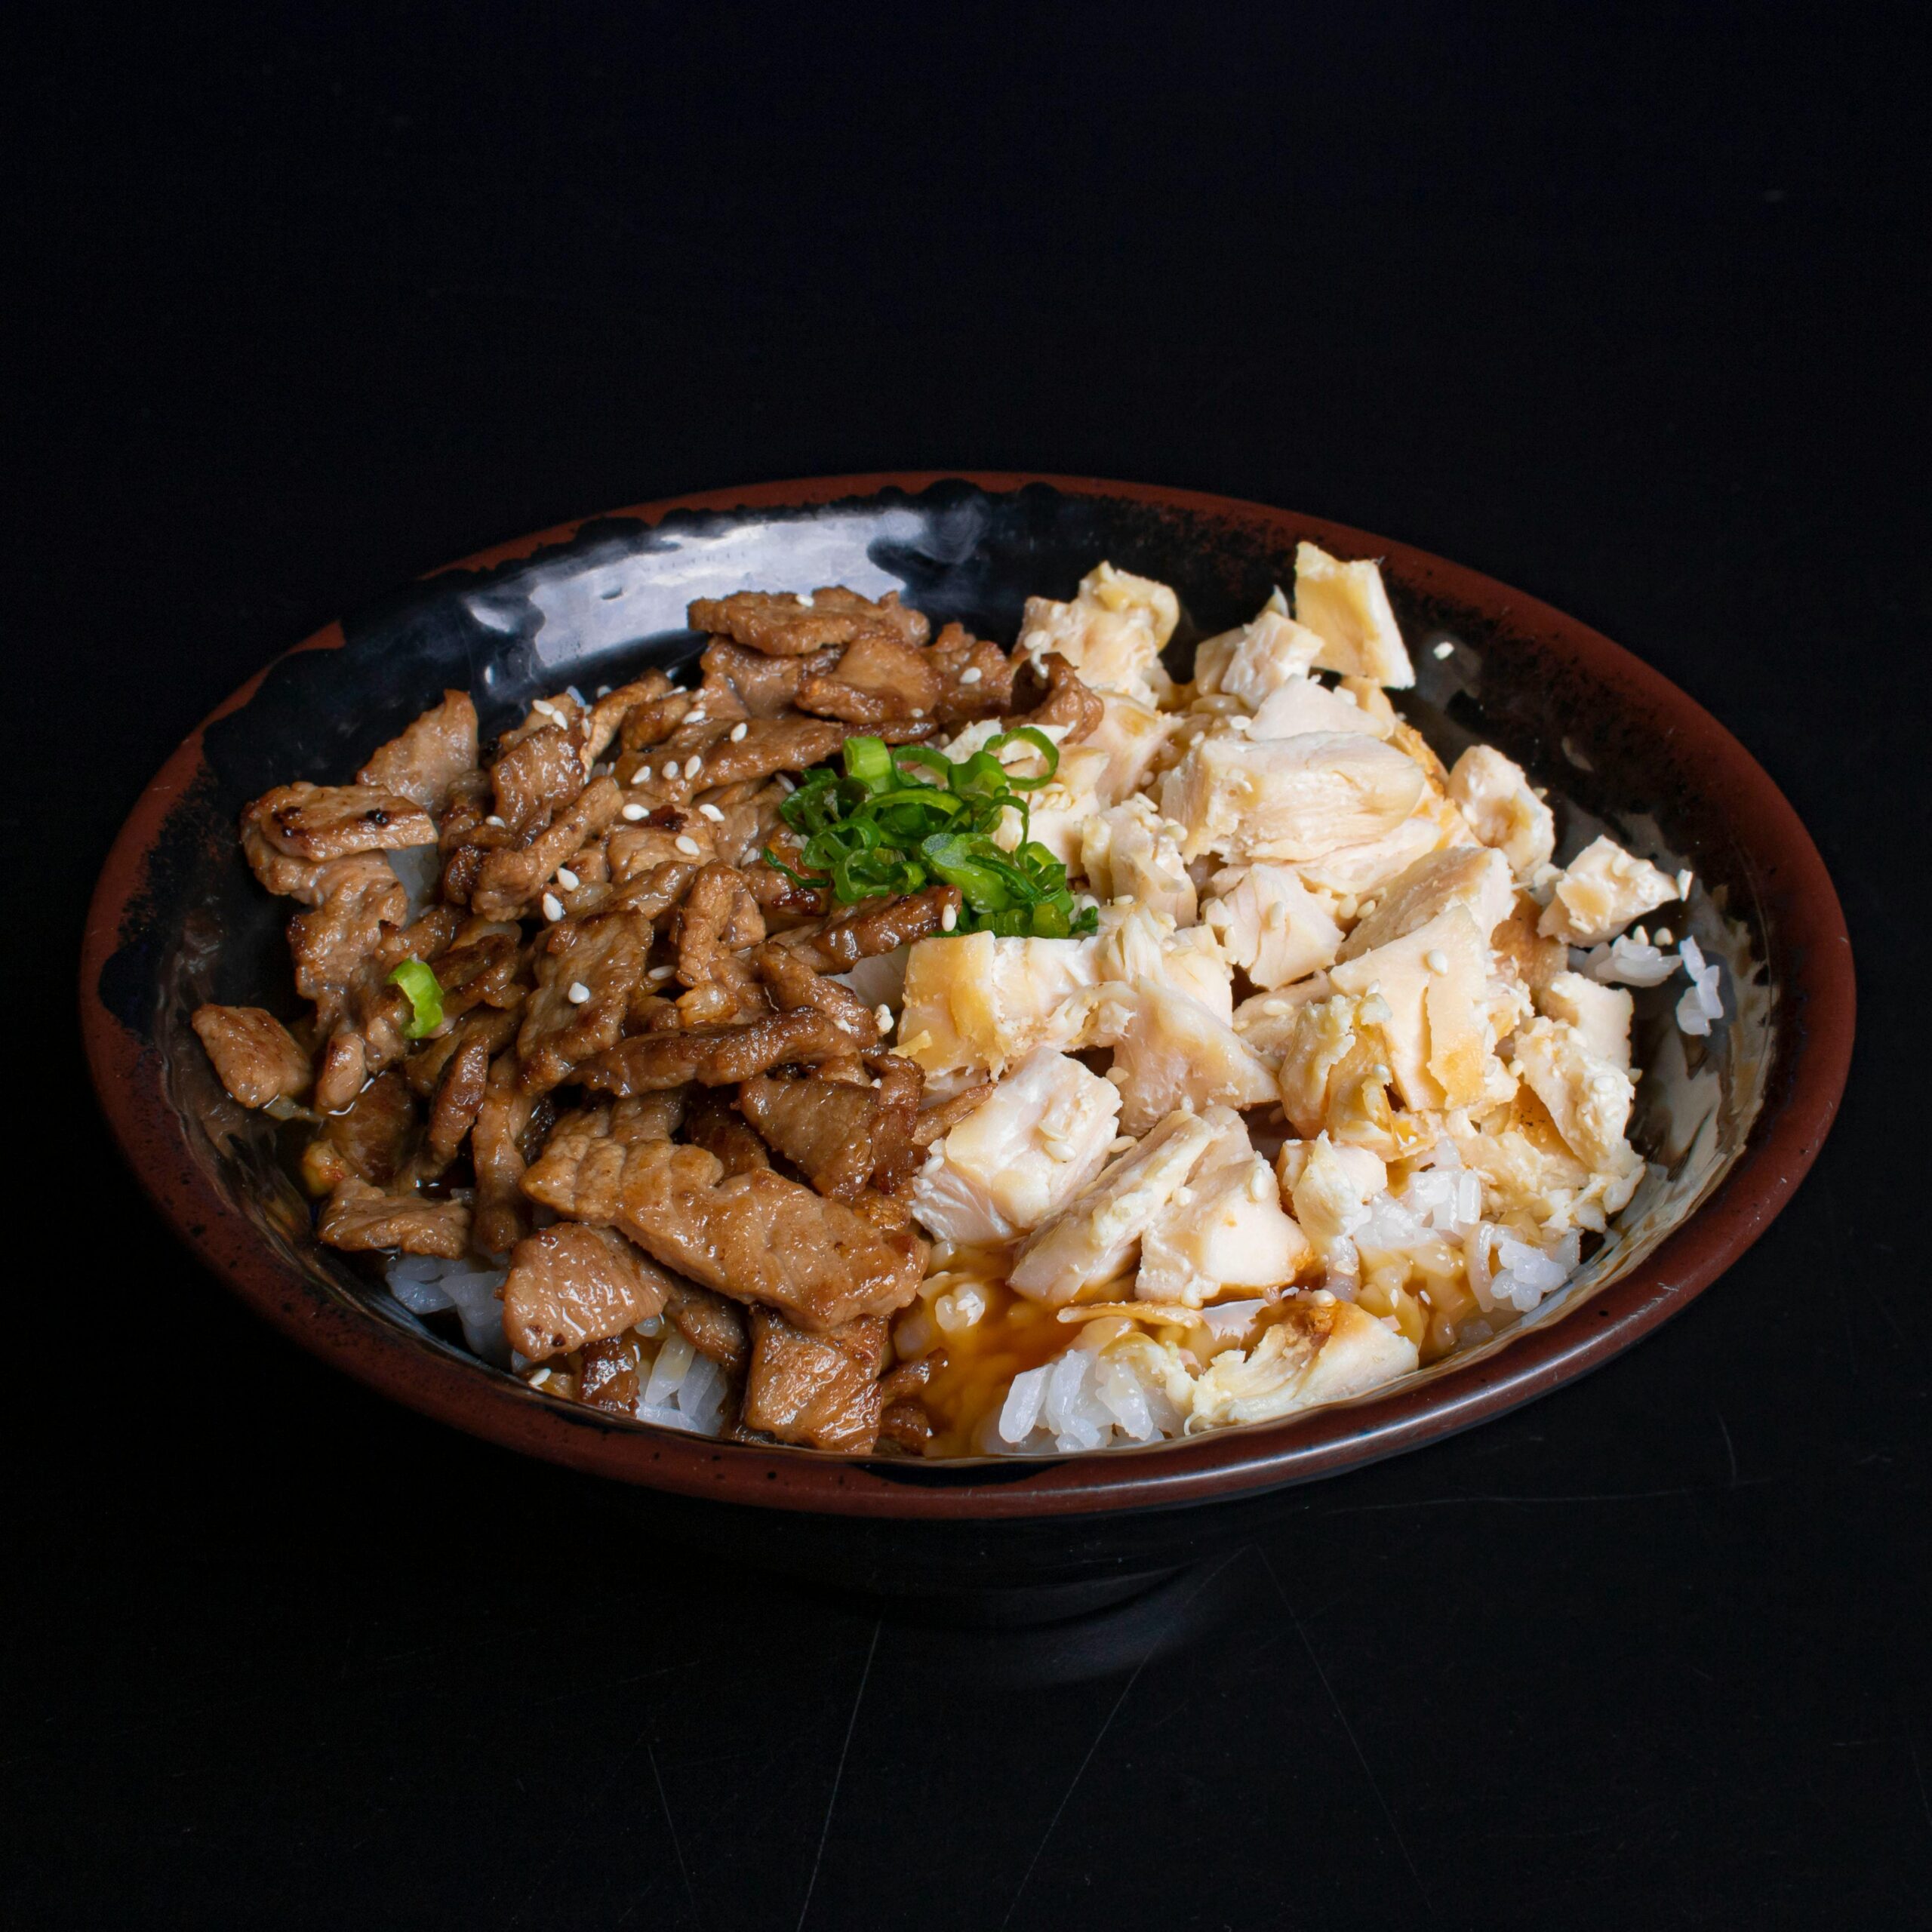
{"x":1730,"y":1123}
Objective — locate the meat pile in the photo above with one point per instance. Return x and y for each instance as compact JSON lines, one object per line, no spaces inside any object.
{"x":649,"y":1094}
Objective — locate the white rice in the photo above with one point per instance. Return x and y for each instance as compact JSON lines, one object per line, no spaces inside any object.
{"x":680,"y":1389}
{"x":1625,"y":962}
{"x":427,"y":1284}
{"x":1086,"y":1399}
{"x":1701,"y":1002}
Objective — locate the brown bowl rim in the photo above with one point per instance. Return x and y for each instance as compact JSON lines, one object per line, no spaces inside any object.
{"x":1817,"y":999}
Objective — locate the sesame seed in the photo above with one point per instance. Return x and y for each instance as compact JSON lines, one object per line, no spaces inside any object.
{"x":1664,"y":937}
{"x":660,"y":972}
{"x":1274,"y":1008}
{"x":603,"y":691}
{"x":1445,"y":649}
{"x":1381,"y":1072}
{"x":1260,"y":1184}
{"x":641,"y":776}
{"x":576,"y":696}
{"x":1436,"y":960}
{"x":545,"y":708}
{"x":882,"y":1015}
{"x":711,"y":812}
{"x":1120,"y":1146}
{"x":805,"y":600}
{"x":1685,"y":879}
{"x":738,"y":734}
{"x":1641,"y":937}
{"x":567,"y":879}
{"x":694,"y":717}
{"x":686,"y":844}
{"x":494,"y":819}
{"x":553,"y":906}
{"x":949,"y":918}
{"x":692,"y":767}
{"x":634,"y":813}
{"x":919,"y":711}
{"x":971,"y":674}
{"x":539,"y":1378}
{"x":579,"y":992}
{"x":790,"y":785}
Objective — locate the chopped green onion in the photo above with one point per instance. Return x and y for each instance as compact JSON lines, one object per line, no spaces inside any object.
{"x":424,"y":994}
{"x":892,"y":819}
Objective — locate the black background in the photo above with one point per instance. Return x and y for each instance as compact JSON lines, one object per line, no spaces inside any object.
{"x":1627,"y":308}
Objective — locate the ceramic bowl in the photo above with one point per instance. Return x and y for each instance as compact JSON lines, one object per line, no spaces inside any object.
{"x":1730,"y":1122}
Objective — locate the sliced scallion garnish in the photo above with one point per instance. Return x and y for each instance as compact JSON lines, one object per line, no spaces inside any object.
{"x":896,"y":819}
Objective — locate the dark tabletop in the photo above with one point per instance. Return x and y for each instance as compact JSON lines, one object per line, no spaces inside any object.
{"x":1635,"y":320}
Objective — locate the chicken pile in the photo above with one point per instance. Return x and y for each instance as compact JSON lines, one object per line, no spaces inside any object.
{"x":1336,"y":1081}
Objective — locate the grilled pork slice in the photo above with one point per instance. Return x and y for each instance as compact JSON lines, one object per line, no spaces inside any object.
{"x":255,"y":1056}
{"x":755,"y":1236}
{"x":820,"y":1390}
{"x":571,"y":1284}
{"x":782,"y":624}
{"x":319,"y":823}
{"x":424,"y":763}
{"x":362,"y":1219}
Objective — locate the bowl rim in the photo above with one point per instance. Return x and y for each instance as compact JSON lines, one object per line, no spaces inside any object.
{"x":1813,"y":1054}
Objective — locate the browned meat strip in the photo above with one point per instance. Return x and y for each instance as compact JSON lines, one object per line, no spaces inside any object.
{"x":937,"y":1120}
{"x":763,"y":687}
{"x":895,"y":1156}
{"x":329,"y":942}
{"x":1067,"y":704}
{"x":255,"y":1056}
{"x":879,"y":680}
{"x":976,"y":677}
{"x":713,"y":1326}
{"x":875,"y":926}
{"x":319,"y":823}
{"x":820,"y":1391}
{"x":586,"y":976}
{"x":756,"y":1237}
{"x":714,"y":1125}
{"x":482,"y":972}
{"x":718,"y":919}
{"x":458,"y":1098}
{"x":614,"y":709}
{"x":716,"y":1055}
{"x":496,"y":1149}
{"x":748,"y":819}
{"x":795,"y":988}
{"x":606,"y":1374}
{"x":510,"y":881}
{"x":777,"y":892}
{"x":671,"y":836}
{"x":537,"y":778}
{"x":298,"y":878}
{"x":907,"y":1423}
{"x":781,"y":625}
{"x":371,"y":1137}
{"x":425,"y":1068}
{"x":569,"y":1284}
{"x":362,"y":1219}
{"x":648,"y":725}
{"x":431,"y":757}
{"x":824,"y":1127}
